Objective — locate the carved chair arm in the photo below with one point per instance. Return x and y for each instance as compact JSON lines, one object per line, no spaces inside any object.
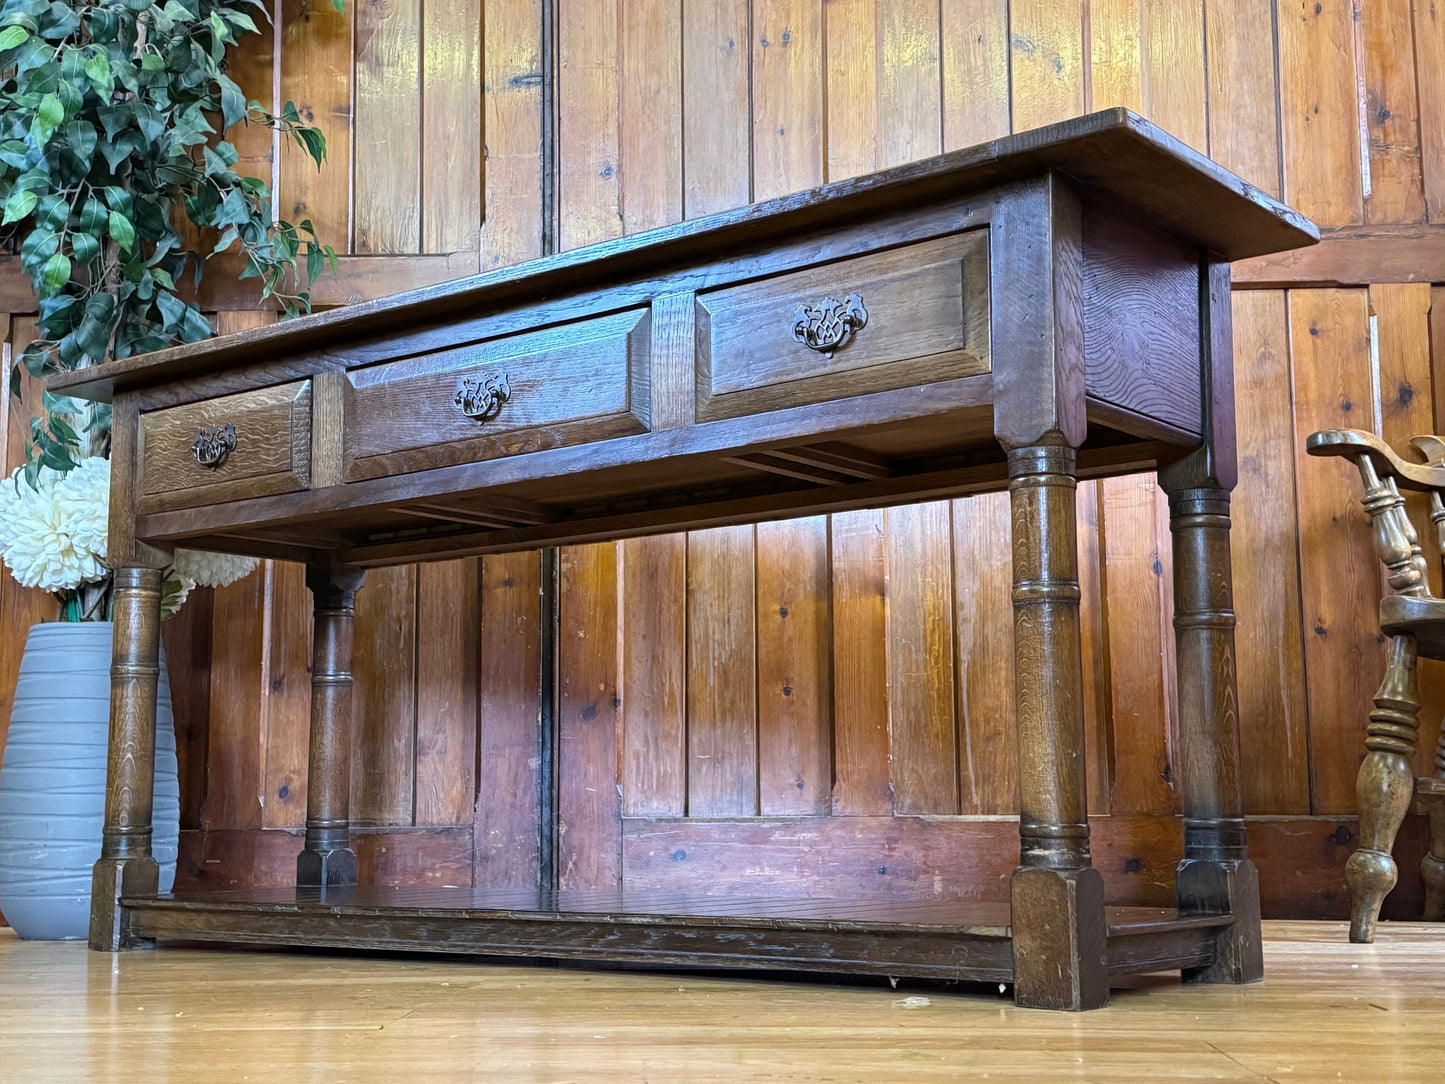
{"x":1357,"y":445}
{"x":1383,"y":472}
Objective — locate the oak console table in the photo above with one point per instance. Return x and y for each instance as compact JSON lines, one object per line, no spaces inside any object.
{"x":1050,"y":306}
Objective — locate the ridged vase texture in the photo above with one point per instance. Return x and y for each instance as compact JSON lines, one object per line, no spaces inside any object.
{"x":52,"y":781}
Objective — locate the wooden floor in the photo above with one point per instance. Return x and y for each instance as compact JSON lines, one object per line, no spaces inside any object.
{"x":1327,"y":1011}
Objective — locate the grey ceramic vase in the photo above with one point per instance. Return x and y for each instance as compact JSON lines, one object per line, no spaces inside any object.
{"x":52,"y":782}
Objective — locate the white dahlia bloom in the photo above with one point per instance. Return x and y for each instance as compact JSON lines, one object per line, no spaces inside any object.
{"x":211,"y":569}
{"x":52,"y":535}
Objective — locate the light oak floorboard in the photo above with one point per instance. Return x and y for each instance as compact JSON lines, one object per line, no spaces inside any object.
{"x":1327,"y":1011}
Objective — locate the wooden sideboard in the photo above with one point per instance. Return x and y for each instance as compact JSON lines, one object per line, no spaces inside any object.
{"x":1049,"y":306}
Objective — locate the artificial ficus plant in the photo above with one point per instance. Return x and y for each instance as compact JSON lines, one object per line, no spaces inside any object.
{"x":112,"y":116}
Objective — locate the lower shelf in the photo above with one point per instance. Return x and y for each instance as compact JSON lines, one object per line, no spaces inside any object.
{"x":913,"y":939}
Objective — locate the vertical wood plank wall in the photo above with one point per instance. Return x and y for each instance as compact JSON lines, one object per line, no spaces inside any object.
{"x":823,"y":706}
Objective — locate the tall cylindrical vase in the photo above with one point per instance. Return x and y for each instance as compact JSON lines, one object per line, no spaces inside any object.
{"x":52,"y":781}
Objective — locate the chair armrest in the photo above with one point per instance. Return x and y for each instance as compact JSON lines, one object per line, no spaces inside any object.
{"x":1356,"y":444}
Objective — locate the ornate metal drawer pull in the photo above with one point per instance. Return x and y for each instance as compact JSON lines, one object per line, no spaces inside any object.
{"x":213,"y":443}
{"x":482,"y":400}
{"x":828,"y":325}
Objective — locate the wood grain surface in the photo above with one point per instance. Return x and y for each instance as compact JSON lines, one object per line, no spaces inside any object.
{"x":690,"y":93}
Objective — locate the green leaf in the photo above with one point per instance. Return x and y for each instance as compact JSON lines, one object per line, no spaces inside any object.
{"x":57,"y":272}
{"x":12,"y":36}
{"x":151,"y":63}
{"x":61,"y":404}
{"x":48,"y":116}
{"x":14,"y":153}
{"x":97,"y":70}
{"x":81,"y":137}
{"x":85,"y":247}
{"x":21,"y":202}
{"x":93,"y":216}
{"x":121,"y":229}
{"x":339,"y":5}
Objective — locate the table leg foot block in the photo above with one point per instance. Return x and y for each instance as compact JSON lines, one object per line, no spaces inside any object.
{"x":112,"y":879}
{"x":1225,"y":886}
{"x":1060,"y":939}
{"x":329,"y":868}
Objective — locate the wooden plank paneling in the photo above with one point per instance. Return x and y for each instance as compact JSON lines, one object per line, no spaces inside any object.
{"x":1094,"y":648}
{"x":589,"y":807}
{"x":983,"y":617}
{"x":1274,"y":732}
{"x":387,"y":128}
{"x":1243,"y":133}
{"x":287,"y":705}
{"x":447,"y":606}
{"x":909,"y":103}
{"x":508,"y":805}
{"x":235,"y":739}
{"x":860,"y":671}
{"x":1330,"y":360}
{"x":650,"y":113}
{"x":722,"y":749}
{"x":1396,"y":193}
{"x":1138,"y":572}
{"x":1046,"y":61}
{"x":1172,"y":52}
{"x":654,"y":676}
{"x":787,"y":99}
{"x":1116,"y":69}
{"x":512,"y":120}
{"x":1319,"y":110}
{"x":588,"y":190}
{"x":186,"y":639}
{"x":794,"y":678}
{"x":975,"y":71}
{"x":851,"y":30}
{"x":451,"y":120}
{"x":316,"y":72}
{"x":920,"y":659}
{"x":716,"y":90}
{"x":1429,"y":26}
{"x":383,"y":759}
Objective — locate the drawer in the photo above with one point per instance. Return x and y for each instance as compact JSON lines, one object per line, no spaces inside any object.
{"x":252,"y":444}
{"x":910,"y":315}
{"x":569,"y":384}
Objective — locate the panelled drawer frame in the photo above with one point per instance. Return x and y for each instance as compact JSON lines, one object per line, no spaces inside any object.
{"x":272,"y":454}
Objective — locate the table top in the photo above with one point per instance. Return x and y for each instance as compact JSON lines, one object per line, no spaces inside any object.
{"x":1114,"y":151}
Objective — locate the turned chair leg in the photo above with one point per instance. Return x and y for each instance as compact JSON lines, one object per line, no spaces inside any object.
{"x":1059,"y":930}
{"x":1216,"y":875}
{"x":126,"y":866}
{"x":1385,"y":788}
{"x":326,"y":859}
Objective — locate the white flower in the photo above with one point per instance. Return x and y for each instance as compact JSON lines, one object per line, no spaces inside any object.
{"x":211,"y":569}
{"x":83,"y":496}
{"x":53,"y":535}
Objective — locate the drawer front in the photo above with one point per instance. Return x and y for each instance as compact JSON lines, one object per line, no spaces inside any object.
{"x":911,"y":315}
{"x":569,"y":384}
{"x":252,"y":444}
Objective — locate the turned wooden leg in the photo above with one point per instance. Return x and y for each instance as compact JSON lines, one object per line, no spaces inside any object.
{"x":1216,"y":875}
{"x":1059,"y":931}
{"x":326,"y":859}
{"x":1385,"y":788}
{"x":126,"y":867}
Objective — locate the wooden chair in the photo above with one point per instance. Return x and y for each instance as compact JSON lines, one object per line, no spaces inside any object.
{"x":1415,"y":620}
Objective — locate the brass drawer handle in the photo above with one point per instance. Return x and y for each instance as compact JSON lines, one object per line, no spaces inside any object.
{"x":828,"y":325}
{"x":213,"y":443}
{"x":482,"y":400}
